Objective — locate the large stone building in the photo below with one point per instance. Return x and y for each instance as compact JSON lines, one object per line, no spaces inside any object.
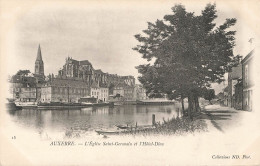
{"x":23,"y":88}
{"x":139,"y":92}
{"x":64,"y":90}
{"x":235,"y":91}
{"x":124,"y":91}
{"x":83,"y":70}
{"x":99,"y":91}
{"x":248,"y":81}
{"x":28,"y":94}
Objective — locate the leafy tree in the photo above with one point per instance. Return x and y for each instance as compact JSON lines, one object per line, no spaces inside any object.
{"x":20,"y":74}
{"x":209,"y":94}
{"x":23,"y":73}
{"x":189,"y":53}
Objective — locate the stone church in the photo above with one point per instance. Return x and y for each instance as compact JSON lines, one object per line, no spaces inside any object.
{"x":39,"y":67}
{"x":83,"y":70}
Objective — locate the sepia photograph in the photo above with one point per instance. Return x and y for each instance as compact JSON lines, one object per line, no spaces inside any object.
{"x":112,"y":82}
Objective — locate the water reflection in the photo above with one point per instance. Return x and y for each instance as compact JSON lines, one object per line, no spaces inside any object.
{"x":86,"y":120}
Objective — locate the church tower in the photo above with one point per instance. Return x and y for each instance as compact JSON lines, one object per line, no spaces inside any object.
{"x":39,"y":66}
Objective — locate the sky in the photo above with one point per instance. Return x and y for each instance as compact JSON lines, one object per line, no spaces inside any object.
{"x":102,"y":33}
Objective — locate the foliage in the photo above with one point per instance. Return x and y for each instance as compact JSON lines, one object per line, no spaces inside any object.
{"x":189,"y":51}
{"x":23,"y":73}
{"x":23,"y":76}
{"x":209,"y":94}
{"x":155,"y":94}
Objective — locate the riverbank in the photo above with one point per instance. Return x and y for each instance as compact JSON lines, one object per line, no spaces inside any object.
{"x":175,"y":126}
{"x":212,"y":118}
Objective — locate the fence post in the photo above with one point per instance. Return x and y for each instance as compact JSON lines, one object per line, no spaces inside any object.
{"x":153,"y":119}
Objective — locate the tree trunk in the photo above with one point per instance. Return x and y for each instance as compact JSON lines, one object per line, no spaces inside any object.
{"x":197,"y":104}
{"x":193,"y":102}
{"x":182,"y":103}
{"x":189,"y":106}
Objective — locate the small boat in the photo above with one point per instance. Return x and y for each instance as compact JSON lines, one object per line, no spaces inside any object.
{"x":118,"y":103}
{"x":135,"y":127}
{"x":87,"y":103}
{"x":26,"y":104}
{"x":102,"y":132}
{"x":122,"y":127}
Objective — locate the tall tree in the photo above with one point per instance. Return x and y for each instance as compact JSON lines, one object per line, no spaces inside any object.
{"x":189,"y":51}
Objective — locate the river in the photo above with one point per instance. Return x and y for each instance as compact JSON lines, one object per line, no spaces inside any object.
{"x":84,"y":122}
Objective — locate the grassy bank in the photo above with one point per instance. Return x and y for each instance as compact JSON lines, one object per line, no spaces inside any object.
{"x":176,"y":126}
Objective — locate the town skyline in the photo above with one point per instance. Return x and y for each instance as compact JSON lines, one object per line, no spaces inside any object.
{"x":103,"y":35}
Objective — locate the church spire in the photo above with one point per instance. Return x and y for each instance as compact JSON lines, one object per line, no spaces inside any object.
{"x":39,"y":65}
{"x":39,"y":54}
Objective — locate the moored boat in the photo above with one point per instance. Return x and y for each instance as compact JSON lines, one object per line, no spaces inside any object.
{"x":102,"y":132}
{"x":126,"y":130}
{"x":122,"y":127}
{"x":26,"y":104}
{"x":141,"y":127}
{"x":118,"y":103}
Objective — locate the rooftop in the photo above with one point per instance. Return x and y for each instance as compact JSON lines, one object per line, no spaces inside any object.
{"x":248,"y":56}
{"x":84,"y":62}
{"x":98,"y":71}
{"x":67,"y":83}
{"x":123,"y":84}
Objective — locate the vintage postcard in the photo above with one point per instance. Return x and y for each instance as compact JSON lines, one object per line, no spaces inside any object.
{"x":112,"y":82}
